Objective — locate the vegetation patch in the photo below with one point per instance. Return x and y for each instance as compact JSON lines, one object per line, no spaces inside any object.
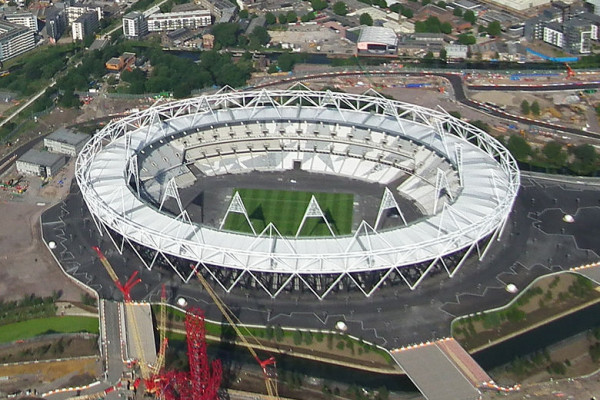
{"x":546,"y":298}
{"x":43,"y":326}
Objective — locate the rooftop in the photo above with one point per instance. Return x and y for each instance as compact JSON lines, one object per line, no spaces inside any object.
{"x":67,"y":136}
{"x":43,"y":158}
{"x":378,"y":34}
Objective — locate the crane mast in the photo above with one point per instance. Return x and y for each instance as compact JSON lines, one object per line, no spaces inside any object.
{"x":268,"y":366}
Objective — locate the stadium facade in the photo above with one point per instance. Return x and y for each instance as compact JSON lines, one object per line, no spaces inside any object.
{"x":462,"y":180}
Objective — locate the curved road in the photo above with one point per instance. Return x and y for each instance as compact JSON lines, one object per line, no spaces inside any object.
{"x":455,"y":80}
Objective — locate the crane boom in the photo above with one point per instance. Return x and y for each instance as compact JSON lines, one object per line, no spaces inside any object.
{"x":107,"y":266}
{"x":162,"y":328}
{"x":270,"y":379}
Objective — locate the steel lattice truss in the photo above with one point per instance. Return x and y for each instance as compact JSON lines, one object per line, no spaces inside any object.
{"x":488,"y":175}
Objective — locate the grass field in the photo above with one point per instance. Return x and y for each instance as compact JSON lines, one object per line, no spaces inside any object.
{"x":40,"y":326}
{"x":286,"y":208}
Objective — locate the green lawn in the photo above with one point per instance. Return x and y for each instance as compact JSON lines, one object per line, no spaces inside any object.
{"x":40,"y":326}
{"x":286,"y":208}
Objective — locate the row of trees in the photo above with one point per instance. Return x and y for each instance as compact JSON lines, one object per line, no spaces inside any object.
{"x":230,"y":35}
{"x":169,"y":73}
{"x":581,"y":159}
{"x":533,"y":108}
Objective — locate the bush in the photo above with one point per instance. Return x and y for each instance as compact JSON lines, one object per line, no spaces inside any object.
{"x":319,"y":336}
{"x":557,"y":368}
{"x":297,"y":338}
{"x":340,"y":345}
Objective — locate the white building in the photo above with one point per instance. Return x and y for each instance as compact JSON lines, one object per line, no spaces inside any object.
{"x":40,"y":163}
{"x":456,"y":51}
{"x":23,"y":18}
{"x":377,"y":40}
{"x":520,"y":5}
{"x":63,"y":141}
{"x":14,"y":40}
{"x":175,"y":20}
{"x":75,"y":11}
{"x":85,"y":25}
{"x":596,"y":4}
{"x":553,"y":35}
{"x":135,"y":25}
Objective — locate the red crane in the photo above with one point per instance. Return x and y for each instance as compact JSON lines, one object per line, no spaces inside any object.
{"x":204,"y":377}
{"x":131,"y":282}
{"x":570,"y":72}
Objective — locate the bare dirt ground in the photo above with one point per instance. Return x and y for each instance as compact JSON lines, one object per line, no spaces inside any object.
{"x":49,"y":348}
{"x":26,"y":265}
{"x":50,"y":374}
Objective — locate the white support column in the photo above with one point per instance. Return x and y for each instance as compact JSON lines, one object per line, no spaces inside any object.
{"x":133,"y":170}
{"x":439,"y":129}
{"x":314,"y":211}
{"x":440,"y":183}
{"x":458,"y":153}
{"x":171,"y":191}
{"x":388,"y":202}
{"x":237,"y":206}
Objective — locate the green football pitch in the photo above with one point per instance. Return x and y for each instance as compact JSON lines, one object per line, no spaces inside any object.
{"x":285,"y":210}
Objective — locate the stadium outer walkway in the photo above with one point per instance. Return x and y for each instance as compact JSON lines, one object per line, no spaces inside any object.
{"x":442,"y":370}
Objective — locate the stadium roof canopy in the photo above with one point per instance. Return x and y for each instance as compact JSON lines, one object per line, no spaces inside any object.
{"x":489,"y":176}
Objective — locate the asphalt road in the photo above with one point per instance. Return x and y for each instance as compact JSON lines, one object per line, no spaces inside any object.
{"x":455,"y":80}
{"x":395,"y":315}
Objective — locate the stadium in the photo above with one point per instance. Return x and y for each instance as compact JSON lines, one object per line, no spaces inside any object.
{"x":298,"y":191}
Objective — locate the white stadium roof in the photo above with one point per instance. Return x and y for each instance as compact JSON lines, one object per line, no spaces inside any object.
{"x":489,"y":184}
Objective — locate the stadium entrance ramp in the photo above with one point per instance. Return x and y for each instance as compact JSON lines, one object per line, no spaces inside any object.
{"x":442,"y":370}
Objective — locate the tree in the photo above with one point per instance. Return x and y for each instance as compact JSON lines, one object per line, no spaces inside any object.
{"x":586,"y":159}
{"x":279,"y":333}
{"x":428,"y":56}
{"x":270,"y":18}
{"x":340,"y":8}
{"x":318,"y":5}
{"x":525,"y":108}
{"x":554,"y":154}
{"x":425,"y":2}
{"x":494,"y":28}
{"x":292,"y":17}
{"x":443,"y":54}
{"x":286,"y":61}
{"x":260,"y":35}
{"x":535,"y":108}
{"x":446,"y":27}
{"x":282,"y":18}
{"x":407,"y":12}
{"x":308,"y":17}
{"x":457,"y":12}
{"x":519,"y":147}
{"x":297,"y":337}
{"x":365,"y":19}
{"x":469,"y":16}
{"x":466,"y":39}
{"x":441,"y":4}
{"x":243,"y":14}
{"x":226,"y":34}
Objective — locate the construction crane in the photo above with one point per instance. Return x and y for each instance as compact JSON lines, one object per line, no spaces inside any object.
{"x":268,"y":365}
{"x":146,"y":370}
{"x":570,"y":72}
{"x":131,"y":282}
{"x":204,"y":378}
{"x":162,"y":328}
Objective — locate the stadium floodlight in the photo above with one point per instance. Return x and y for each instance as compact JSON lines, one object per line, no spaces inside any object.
{"x":369,"y":138}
